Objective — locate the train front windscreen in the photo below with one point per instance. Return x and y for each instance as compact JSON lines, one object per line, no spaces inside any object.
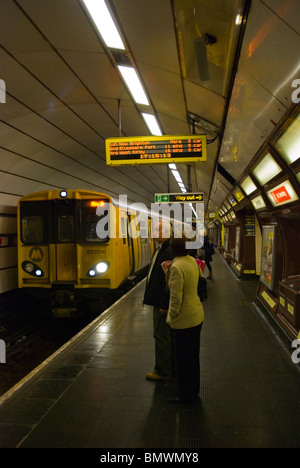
{"x":64,"y":221}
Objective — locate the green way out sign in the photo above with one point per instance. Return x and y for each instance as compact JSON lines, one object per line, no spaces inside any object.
{"x":178,"y":197}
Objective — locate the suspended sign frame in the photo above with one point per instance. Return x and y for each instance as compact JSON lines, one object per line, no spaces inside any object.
{"x":155,"y":149}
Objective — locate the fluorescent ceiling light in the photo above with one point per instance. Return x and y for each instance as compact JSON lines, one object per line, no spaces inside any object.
{"x":132,"y":80}
{"x":152,"y":124}
{"x":104,"y":23}
{"x":176,"y":175}
{"x":172,"y":166}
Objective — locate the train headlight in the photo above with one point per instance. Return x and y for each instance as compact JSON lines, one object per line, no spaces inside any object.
{"x":98,"y":269}
{"x":29,"y":267}
{"x":102,"y":267}
{"x":32,"y":269}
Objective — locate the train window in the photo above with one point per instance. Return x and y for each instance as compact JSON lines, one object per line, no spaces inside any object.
{"x":95,"y":221}
{"x":90,"y":228}
{"x":34,"y":222}
{"x":65,"y":229}
{"x":32,"y":229}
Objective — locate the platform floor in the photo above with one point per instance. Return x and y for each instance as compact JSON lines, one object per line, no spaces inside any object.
{"x":94,"y":394}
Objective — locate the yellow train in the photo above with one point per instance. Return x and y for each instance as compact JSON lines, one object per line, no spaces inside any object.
{"x":77,"y":244}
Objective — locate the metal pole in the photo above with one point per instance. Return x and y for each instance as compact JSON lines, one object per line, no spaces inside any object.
{"x":119,"y":117}
{"x":189,"y":178}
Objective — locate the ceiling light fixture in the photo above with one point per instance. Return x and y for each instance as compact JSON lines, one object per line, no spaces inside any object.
{"x":177,"y":175}
{"x":104,"y":23}
{"x":107,"y":27}
{"x":152,"y":124}
{"x":133,"y":82}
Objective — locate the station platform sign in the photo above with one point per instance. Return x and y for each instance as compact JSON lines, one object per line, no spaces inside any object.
{"x":151,"y":150}
{"x":179,"y":197}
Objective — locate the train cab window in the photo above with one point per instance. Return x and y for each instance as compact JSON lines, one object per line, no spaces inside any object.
{"x":32,"y":230}
{"x":95,"y":221}
{"x":34,"y":222}
{"x":65,"y":229}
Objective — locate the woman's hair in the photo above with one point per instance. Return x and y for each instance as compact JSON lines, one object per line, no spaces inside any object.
{"x":178,"y":245}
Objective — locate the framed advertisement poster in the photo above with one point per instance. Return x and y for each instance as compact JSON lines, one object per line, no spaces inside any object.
{"x":268,"y":256}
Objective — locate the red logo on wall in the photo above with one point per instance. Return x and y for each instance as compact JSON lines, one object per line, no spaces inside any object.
{"x":280,"y":195}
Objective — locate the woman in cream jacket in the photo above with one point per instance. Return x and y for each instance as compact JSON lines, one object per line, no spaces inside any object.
{"x":185,"y":317}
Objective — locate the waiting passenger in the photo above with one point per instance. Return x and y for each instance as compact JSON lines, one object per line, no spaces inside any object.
{"x":208,"y":255}
{"x":157,"y":295}
{"x":185,"y":316}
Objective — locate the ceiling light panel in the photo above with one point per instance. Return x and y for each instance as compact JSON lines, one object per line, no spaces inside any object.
{"x":152,"y":124}
{"x":133,"y":82}
{"x":105,"y":24}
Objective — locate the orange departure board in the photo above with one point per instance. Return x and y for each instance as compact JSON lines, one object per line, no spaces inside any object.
{"x":151,"y":150}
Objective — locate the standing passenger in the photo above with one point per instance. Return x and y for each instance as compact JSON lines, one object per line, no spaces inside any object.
{"x":157,"y":295}
{"x":208,"y":257}
{"x":185,"y":316}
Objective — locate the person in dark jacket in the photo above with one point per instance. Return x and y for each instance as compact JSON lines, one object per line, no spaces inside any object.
{"x":157,"y":295}
{"x":208,"y":257}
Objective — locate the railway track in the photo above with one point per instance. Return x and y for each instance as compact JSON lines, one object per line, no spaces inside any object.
{"x":31,"y":335}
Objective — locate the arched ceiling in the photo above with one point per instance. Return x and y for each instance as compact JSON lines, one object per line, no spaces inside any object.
{"x":64,"y":95}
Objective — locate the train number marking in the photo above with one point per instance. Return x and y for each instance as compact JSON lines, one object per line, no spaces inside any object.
{"x":96,"y":252}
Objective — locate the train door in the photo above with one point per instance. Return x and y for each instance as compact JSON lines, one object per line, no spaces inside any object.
{"x":136,"y":242}
{"x":130,"y":245}
{"x":65,"y":247}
